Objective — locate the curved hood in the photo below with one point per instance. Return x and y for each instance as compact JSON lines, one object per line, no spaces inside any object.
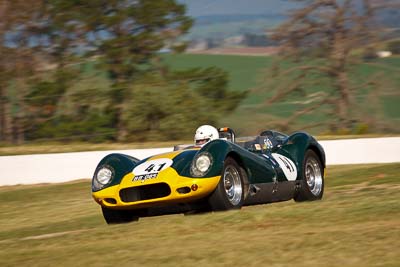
{"x":147,"y":168}
{"x":180,"y":161}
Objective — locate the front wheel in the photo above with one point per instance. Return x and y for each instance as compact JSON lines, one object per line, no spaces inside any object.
{"x":312,"y":182}
{"x":118,"y":216}
{"x":229,"y":193}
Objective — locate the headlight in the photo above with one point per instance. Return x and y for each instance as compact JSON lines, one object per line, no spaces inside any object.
{"x":103,"y":177}
{"x":201,"y":164}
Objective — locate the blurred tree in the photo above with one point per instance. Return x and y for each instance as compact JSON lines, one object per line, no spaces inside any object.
{"x":17,"y":63}
{"x":52,"y":49}
{"x":394,"y":47}
{"x":44,"y":96}
{"x":125,"y":37}
{"x":323,"y":40}
{"x":211,"y":85}
{"x":68,"y":107}
{"x":170,"y":105}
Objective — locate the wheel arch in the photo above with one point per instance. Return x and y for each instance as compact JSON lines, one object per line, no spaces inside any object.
{"x":297,"y":145}
{"x":120,"y":163}
{"x":236,"y":157}
{"x":320,"y":154}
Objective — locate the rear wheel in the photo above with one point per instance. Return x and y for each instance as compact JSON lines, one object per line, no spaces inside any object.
{"x":312,"y":182}
{"x":229,"y":193}
{"x":119,"y":216}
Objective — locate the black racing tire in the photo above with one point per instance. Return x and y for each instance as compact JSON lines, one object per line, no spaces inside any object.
{"x":230,"y":191}
{"x":312,"y":178}
{"x":112,"y":216}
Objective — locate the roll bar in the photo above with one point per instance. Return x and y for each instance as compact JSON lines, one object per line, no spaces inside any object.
{"x":227,"y":133}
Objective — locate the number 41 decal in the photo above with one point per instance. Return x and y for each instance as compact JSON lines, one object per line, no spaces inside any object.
{"x":152,"y":166}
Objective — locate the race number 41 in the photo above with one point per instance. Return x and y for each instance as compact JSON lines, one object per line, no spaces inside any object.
{"x":150,"y":169}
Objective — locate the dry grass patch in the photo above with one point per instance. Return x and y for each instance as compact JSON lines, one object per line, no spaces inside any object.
{"x":356,"y":224}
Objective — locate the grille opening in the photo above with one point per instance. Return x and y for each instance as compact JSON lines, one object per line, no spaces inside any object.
{"x":144,"y":192}
{"x":183,"y":190}
{"x":110,"y":200}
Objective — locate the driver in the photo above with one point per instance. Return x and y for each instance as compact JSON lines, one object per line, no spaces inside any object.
{"x":205,"y":134}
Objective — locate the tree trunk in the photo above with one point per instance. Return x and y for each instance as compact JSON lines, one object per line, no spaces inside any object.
{"x":19,"y":122}
{"x":339,"y":58}
{"x":122,"y":132}
{"x":3,"y":10}
{"x":343,"y":100}
{"x":8,"y":123}
{"x":19,"y":131}
{"x":2,"y":114}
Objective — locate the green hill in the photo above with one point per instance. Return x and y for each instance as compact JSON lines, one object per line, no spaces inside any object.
{"x":248,"y":73}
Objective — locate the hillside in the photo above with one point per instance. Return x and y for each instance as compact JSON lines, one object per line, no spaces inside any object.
{"x":248,"y":73}
{"x":198,"y":8}
{"x":226,"y":18}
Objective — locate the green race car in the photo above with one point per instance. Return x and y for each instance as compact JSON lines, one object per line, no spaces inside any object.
{"x":225,"y":173}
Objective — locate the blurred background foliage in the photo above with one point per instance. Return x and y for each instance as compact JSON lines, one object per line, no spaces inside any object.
{"x":114,"y":70}
{"x":94,"y":73}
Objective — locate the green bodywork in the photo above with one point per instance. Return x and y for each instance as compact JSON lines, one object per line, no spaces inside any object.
{"x":259,"y":166}
{"x":295,"y":148}
{"x":121,"y":164}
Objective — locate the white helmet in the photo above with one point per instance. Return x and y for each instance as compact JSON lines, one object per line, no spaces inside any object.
{"x":205,"y":134}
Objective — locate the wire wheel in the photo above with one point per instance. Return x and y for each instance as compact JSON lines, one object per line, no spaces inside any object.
{"x":233,"y":185}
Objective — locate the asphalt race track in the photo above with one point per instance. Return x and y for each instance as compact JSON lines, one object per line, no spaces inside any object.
{"x":63,"y":167}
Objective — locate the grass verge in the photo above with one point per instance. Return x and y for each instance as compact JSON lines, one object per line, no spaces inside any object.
{"x":38,"y":148}
{"x":356,"y":224}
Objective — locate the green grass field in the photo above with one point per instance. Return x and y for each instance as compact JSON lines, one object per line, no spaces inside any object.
{"x":356,"y":224}
{"x":244,"y":71}
{"x":249,"y":73}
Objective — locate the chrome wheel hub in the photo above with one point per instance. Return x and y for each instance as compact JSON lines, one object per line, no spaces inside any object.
{"x":233,"y":185}
{"x":313,"y":175}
